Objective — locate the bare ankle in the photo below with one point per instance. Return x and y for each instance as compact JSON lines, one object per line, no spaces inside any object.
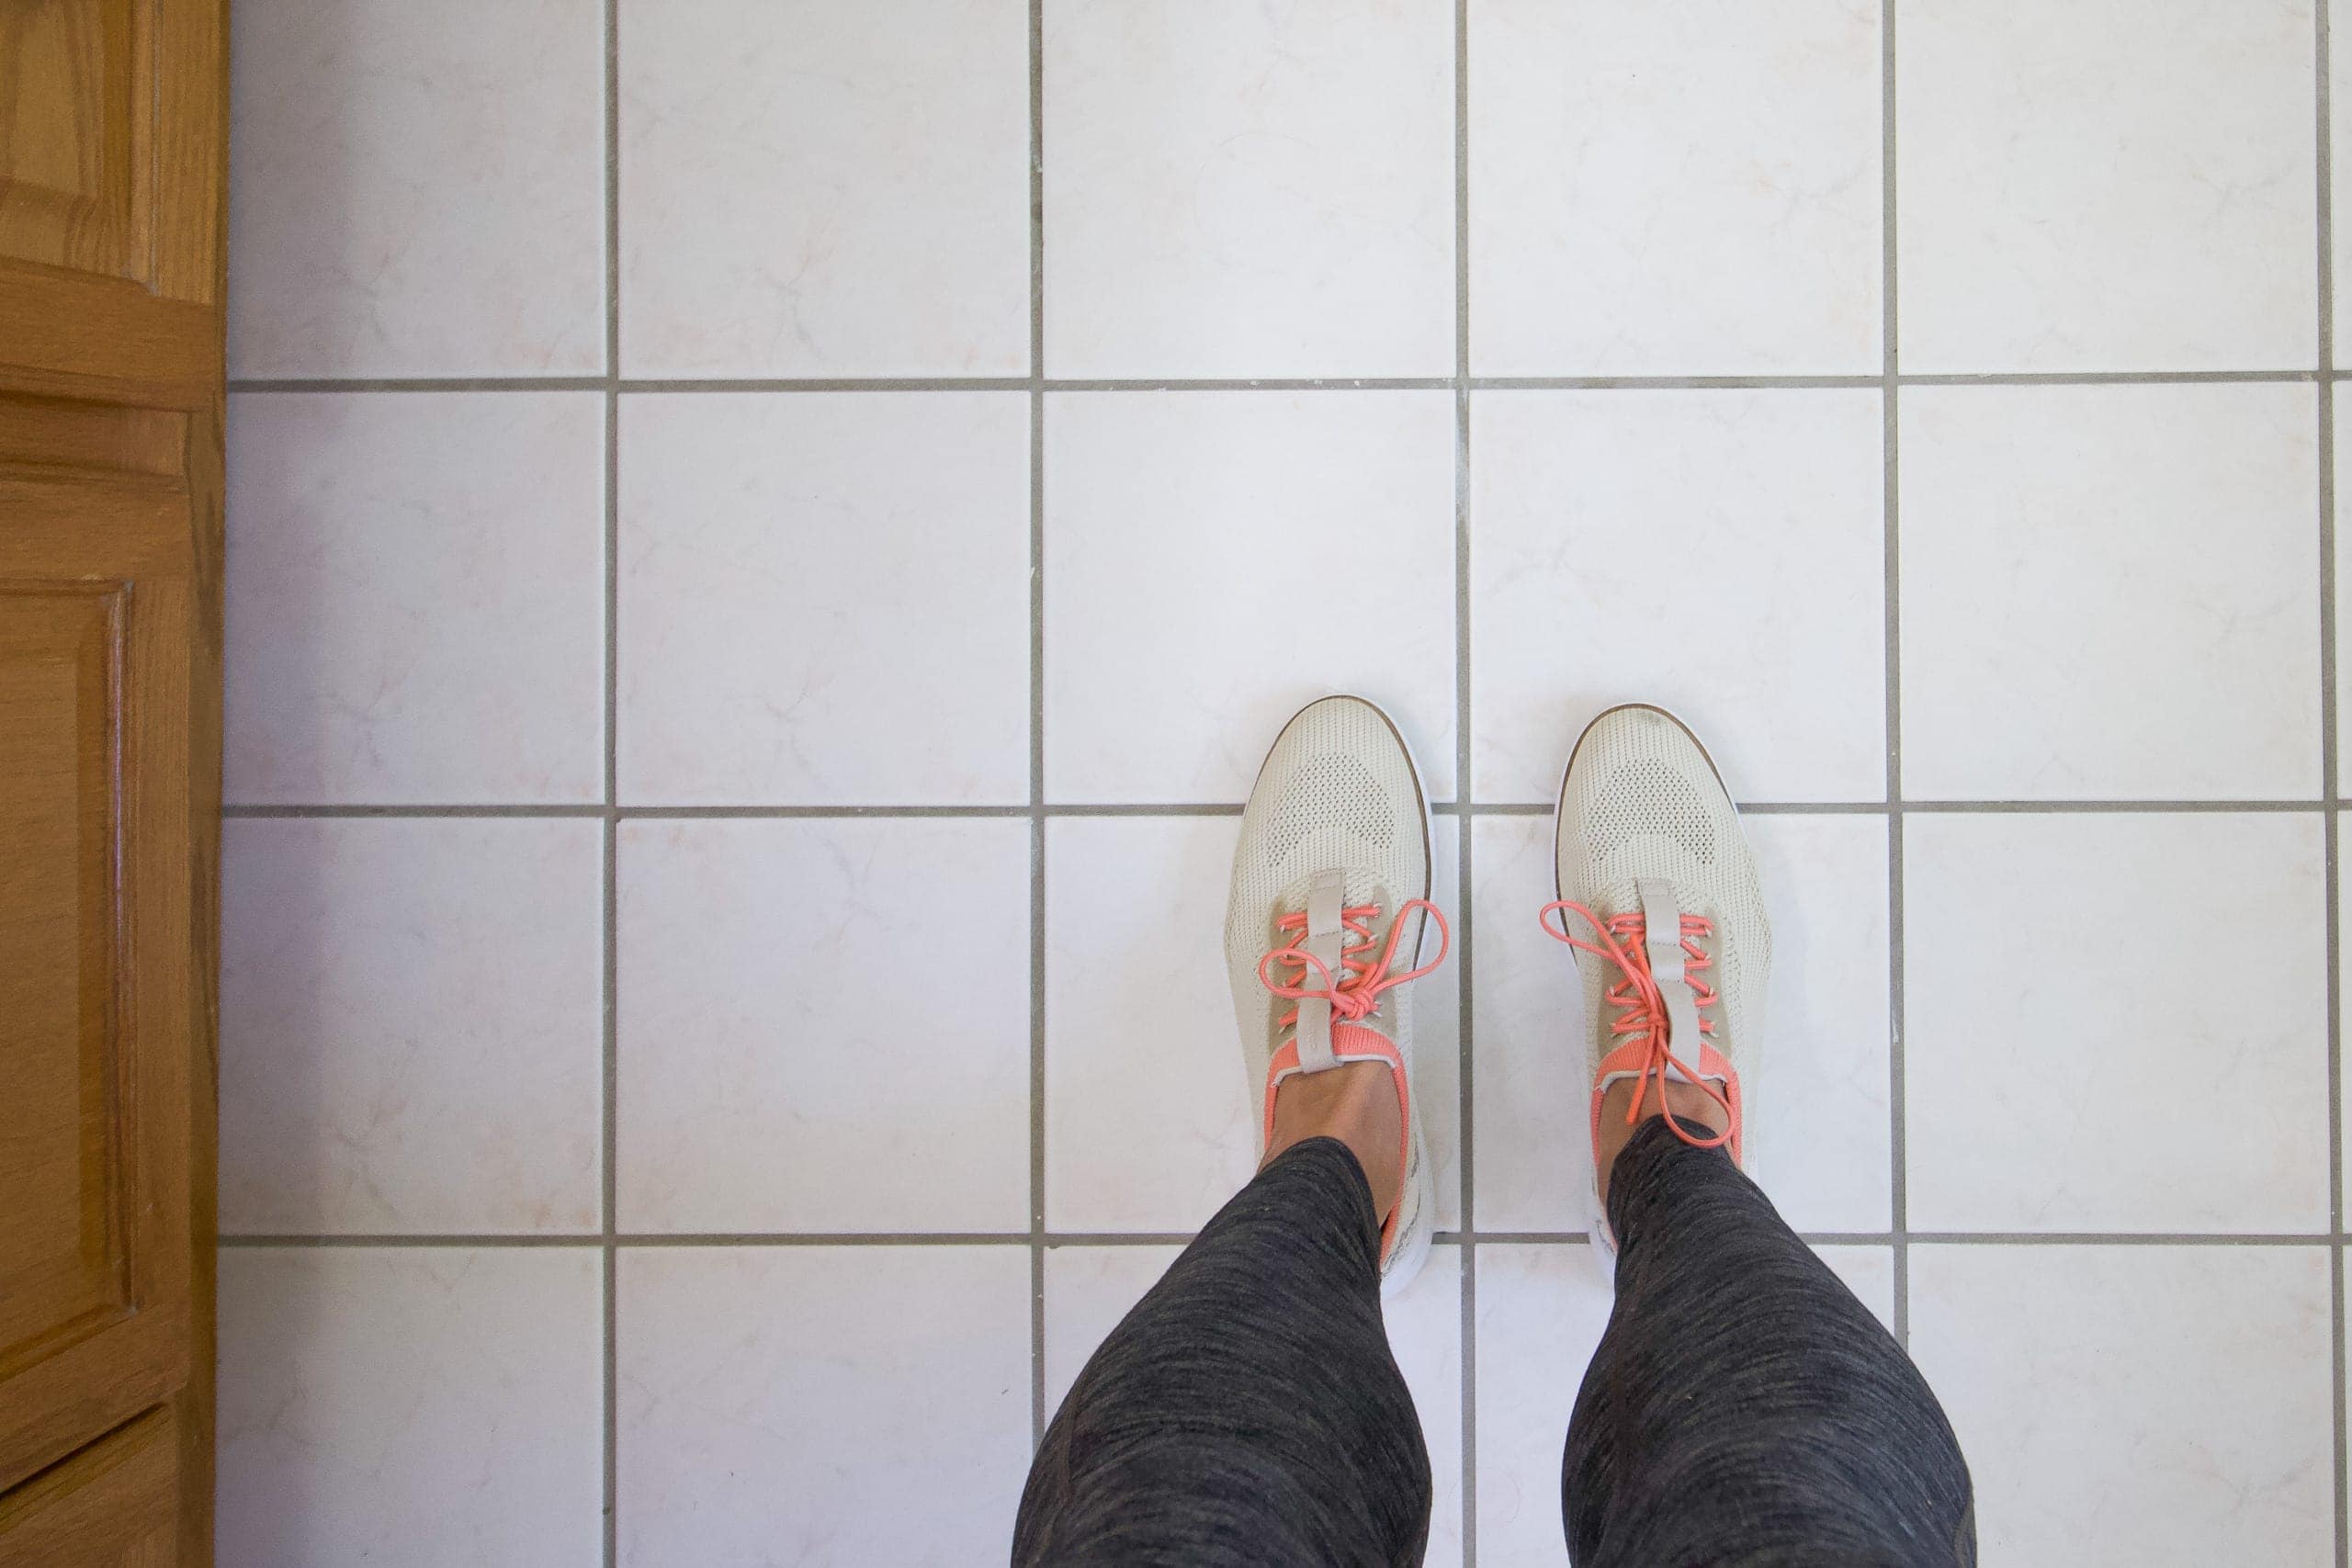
{"x":1355,"y":1103}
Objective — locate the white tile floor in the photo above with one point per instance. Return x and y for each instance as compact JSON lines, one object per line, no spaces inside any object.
{"x":759,"y":574}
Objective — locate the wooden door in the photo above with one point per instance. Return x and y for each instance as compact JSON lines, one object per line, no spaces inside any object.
{"x":112,"y":134}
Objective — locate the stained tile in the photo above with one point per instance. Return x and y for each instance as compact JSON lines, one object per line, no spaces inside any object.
{"x":2106,"y":188}
{"x":726,"y":1404}
{"x":814,"y":189}
{"x":779,"y":1069}
{"x":415,"y":598}
{"x":1216,"y":561}
{"x":1674,"y":188}
{"x":2136,"y":1405}
{"x":403,"y":201}
{"x":2077,"y":1057}
{"x":410,"y":1407}
{"x":2069,"y":550}
{"x":410,"y":1026}
{"x":824,"y":599}
{"x":1722,"y":553}
{"x":1235,"y":189}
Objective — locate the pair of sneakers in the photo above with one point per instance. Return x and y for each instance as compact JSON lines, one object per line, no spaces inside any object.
{"x":1330,"y":921}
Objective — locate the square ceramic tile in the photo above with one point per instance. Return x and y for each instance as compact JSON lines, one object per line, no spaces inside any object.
{"x":1240,"y":190}
{"x":2342,"y":573}
{"x":403,"y":201}
{"x":2339,"y":66}
{"x":411,"y":1026}
{"x":1821,"y":1122}
{"x":1529,"y":1095}
{"x":2069,"y":550}
{"x":1090,"y":1288}
{"x":1675,"y":188}
{"x":412,"y":1407}
{"x":1542,"y":1311}
{"x":2080,"y":1059}
{"x":1720,"y":552}
{"x":1822,"y":1127}
{"x":822,"y":1406}
{"x":2106,"y":188}
{"x":1216,"y":561}
{"x":816,"y":189}
{"x":2129,"y":1404}
{"x":415,"y":598}
{"x":1149,"y":1122}
{"x":824,"y":598}
{"x":1425,"y":1335}
{"x":1437,"y":1028}
{"x":1149,"y":1125}
{"x":1869,"y":1272}
{"x":824,"y":1026}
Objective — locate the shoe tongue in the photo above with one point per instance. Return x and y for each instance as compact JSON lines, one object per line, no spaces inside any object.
{"x":1662,"y":937}
{"x":1325,"y":898}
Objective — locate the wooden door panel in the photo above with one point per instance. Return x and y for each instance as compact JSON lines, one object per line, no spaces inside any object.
{"x":114,"y":1505}
{"x":112,"y":121}
{"x":60,"y":1144}
{"x":113,"y":128}
{"x":99,"y":997}
{"x":77,"y":162}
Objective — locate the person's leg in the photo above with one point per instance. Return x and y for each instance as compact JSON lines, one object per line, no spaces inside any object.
{"x":1247,"y":1410}
{"x":1744,"y":1407}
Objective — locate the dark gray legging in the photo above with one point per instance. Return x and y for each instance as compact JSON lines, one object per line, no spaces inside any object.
{"x":1743,"y":1408}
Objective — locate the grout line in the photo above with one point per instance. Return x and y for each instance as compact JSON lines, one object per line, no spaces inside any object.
{"x":585,"y":1240}
{"x":2120,"y":1238}
{"x":1036,"y":384}
{"x":1251,"y":384}
{"x":1901,"y":808}
{"x":658,"y":385}
{"x":611,"y":1066}
{"x":1218,"y":808}
{"x":2094,"y":808}
{"x":2079,"y":378}
{"x":282,"y":812}
{"x":425,"y":383}
{"x":2330,"y":827}
{"x":1466,"y":1054}
{"x":1891,"y":351}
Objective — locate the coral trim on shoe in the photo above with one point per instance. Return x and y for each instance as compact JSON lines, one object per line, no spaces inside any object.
{"x":1353,"y":995}
{"x":1643,"y":1024}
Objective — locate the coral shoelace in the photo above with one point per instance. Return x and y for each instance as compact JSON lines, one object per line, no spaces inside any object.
{"x":1642,"y":1014}
{"x":1356,"y":990}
